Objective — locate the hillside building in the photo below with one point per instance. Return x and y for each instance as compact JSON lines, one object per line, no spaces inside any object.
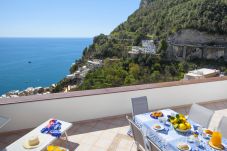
{"x":148,"y":47}
{"x":201,"y":74}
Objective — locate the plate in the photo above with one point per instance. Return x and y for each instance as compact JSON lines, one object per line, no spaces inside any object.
{"x":215,"y":147}
{"x":183,"y":144}
{"x":61,"y":148}
{"x":155,"y":127}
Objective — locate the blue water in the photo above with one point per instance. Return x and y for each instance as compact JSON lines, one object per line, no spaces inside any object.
{"x":50,"y":59}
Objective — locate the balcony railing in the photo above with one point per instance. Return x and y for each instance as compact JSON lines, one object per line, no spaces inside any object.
{"x":30,"y":111}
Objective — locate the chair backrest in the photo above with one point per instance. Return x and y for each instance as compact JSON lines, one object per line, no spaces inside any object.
{"x":200,"y":115}
{"x":139,"y":105}
{"x":222,"y":127}
{"x":152,"y":146}
{"x":137,"y":134}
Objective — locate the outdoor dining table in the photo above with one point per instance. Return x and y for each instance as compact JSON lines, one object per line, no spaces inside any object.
{"x":168,"y":139}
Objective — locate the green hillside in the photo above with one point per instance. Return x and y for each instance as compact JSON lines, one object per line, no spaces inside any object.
{"x":159,"y":19}
{"x":155,"y":19}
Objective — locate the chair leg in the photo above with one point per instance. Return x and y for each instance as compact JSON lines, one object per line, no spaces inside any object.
{"x":137,"y":146}
{"x":132,"y":145}
{"x":67,"y":141}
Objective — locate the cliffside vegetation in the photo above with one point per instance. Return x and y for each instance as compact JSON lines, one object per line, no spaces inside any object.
{"x":143,"y":69}
{"x":161,"y":18}
{"x":155,"y":19}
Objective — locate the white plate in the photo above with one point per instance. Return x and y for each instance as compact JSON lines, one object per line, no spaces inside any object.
{"x":179,"y":144}
{"x":158,"y":129}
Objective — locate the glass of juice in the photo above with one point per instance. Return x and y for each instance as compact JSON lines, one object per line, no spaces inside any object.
{"x":216,"y":139}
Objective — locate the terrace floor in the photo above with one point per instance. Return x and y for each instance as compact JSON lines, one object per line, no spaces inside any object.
{"x":109,"y":134}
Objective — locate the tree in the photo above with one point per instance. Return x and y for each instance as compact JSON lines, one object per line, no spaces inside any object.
{"x":162,"y":48}
{"x":167,"y":72}
{"x":134,"y":69}
{"x":129,"y":80}
{"x":155,"y":76}
{"x":183,"y":66}
{"x":156,"y":67}
{"x":75,"y":66}
{"x":140,"y":36}
{"x":173,"y":71}
{"x":225,"y":72}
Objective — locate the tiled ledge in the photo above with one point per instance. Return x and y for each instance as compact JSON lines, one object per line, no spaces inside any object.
{"x":35,"y":98}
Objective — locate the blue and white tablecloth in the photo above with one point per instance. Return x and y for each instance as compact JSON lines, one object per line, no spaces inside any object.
{"x":167,"y":139}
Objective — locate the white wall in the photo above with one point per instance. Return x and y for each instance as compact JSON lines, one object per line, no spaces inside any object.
{"x":28,"y":115}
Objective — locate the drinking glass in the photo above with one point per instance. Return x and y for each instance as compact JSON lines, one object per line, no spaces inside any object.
{"x":173,"y":114}
{"x":200,"y":130}
{"x":197,"y":143}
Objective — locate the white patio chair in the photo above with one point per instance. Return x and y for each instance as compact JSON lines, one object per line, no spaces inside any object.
{"x":139,"y":105}
{"x":222,"y":127}
{"x":137,"y":135}
{"x":200,"y":115}
{"x":152,"y":146}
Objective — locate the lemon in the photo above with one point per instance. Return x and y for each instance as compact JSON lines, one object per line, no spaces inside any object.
{"x":188,"y":125}
{"x":181,"y":115}
{"x":182,"y":126}
{"x":175,"y":125}
{"x":182,"y":119}
{"x":171,"y":121}
{"x":174,"y":121}
{"x":50,"y":148}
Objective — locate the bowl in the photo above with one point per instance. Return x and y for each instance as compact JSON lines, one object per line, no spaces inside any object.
{"x":182,"y":131}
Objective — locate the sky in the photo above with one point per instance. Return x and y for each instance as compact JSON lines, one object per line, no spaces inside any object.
{"x":62,"y":18}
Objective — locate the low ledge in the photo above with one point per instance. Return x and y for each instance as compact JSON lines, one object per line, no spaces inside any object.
{"x":52,"y":96}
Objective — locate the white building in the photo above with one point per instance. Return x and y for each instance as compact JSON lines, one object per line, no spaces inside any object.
{"x":148,"y":47}
{"x":96,"y":63}
{"x":136,"y":50}
{"x":71,"y":76}
{"x":201,"y":74}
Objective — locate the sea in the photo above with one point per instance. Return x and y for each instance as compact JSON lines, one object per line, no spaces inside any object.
{"x":37,"y":62}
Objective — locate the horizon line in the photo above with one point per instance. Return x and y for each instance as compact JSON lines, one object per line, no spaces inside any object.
{"x":45,"y":37}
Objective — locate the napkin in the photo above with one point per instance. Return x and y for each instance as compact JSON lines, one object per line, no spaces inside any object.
{"x":52,"y":128}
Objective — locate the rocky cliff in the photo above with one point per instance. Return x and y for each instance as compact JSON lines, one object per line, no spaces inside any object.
{"x":195,"y":37}
{"x":189,"y":44}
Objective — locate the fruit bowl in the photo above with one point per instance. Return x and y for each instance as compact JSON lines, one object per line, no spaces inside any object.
{"x":156,"y":115}
{"x":180,"y":123}
{"x":182,"y":131}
